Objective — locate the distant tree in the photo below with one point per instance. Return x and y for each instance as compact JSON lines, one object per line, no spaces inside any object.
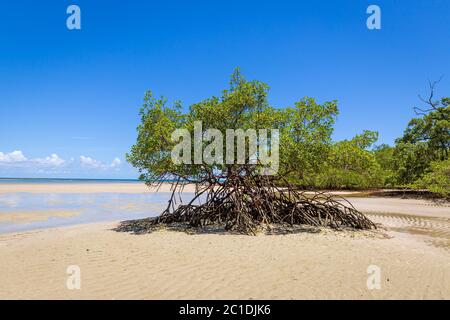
{"x":433,"y":129}
{"x":410,"y":160}
{"x":426,"y":139}
{"x":384,"y":155}
{"x":433,"y":125}
{"x":351,"y":165}
{"x":437,"y":178}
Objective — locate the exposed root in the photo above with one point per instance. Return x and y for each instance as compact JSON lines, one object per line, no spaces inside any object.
{"x":245,"y":204}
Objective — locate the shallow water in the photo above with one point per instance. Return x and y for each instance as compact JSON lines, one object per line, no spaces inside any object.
{"x":64,"y":181}
{"x":28,"y":211}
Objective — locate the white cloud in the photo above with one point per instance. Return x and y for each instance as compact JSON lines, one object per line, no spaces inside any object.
{"x":16,"y":159}
{"x":54,"y":163}
{"x":96,"y":164}
{"x":89,"y":162}
{"x":15,"y":156}
{"x":115,"y":163}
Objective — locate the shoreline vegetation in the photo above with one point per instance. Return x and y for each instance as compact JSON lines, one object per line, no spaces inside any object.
{"x":259,"y":183}
{"x":309,"y":158}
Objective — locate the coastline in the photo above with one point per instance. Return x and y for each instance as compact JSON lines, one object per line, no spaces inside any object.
{"x":75,"y":187}
{"x":411,"y":248}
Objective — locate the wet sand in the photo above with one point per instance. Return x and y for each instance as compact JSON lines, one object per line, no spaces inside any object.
{"x":413,"y":207}
{"x":87,"y":188}
{"x":411,"y":250}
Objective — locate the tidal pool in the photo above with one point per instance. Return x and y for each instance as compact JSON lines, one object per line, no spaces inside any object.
{"x":28,"y":211}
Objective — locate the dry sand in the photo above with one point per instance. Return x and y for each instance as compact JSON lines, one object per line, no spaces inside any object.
{"x":175,"y":265}
{"x":411,"y":250}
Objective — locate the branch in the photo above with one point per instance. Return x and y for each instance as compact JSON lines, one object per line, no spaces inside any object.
{"x":433,"y":105}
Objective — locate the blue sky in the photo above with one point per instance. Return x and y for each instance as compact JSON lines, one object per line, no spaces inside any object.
{"x":69,"y":99}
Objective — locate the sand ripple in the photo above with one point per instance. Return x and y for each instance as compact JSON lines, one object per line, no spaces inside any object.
{"x":433,"y":230}
{"x":175,"y":265}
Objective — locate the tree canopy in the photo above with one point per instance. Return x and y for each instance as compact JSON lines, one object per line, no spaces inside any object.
{"x":308,"y":157}
{"x":304,"y":129}
{"x":252,"y":185}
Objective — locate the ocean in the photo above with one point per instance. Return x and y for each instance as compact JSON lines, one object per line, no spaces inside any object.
{"x":64,"y":180}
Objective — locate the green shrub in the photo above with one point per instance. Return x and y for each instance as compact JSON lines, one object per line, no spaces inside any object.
{"x":437,"y":178}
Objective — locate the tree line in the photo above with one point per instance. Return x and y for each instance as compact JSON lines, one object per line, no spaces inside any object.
{"x":309,"y":158}
{"x":419,"y":159}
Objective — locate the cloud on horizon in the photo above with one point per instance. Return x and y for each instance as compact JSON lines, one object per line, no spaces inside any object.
{"x":15,"y":156}
{"x":53,"y":164}
{"x":92,"y":163}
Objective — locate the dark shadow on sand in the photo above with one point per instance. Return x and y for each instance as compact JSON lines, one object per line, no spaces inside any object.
{"x":144,"y":226}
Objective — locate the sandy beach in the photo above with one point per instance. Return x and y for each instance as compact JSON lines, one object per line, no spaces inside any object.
{"x":411,"y":250}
